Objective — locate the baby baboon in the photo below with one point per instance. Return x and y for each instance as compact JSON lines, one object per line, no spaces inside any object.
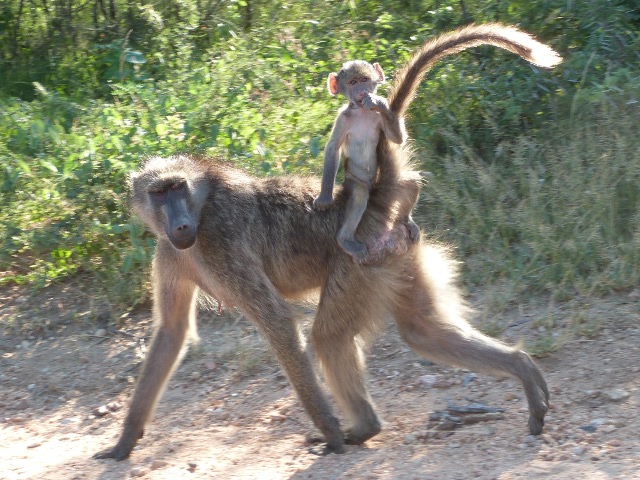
{"x":369,"y":128}
{"x":254,"y":243}
{"x":360,"y":123}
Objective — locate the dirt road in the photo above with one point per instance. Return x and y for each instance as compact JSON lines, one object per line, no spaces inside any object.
{"x":229,"y":412}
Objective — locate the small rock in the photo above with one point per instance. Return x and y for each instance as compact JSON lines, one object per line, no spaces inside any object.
{"x":158,"y":464}
{"x":469,"y":378}
{"x":489,"y":431}
{"x":15,"y":420}
{"x":22,"y":404}
{"x":195,"y":375}
{"x":548,"y":439}
{"x":139,"y":471}
{"x":25,"y":344}
{"x":277,"y":417}
{"x":114,"y":406}
{"x":34,"y":445}
{"x":609,"y":428}
{"x":101,"y":332}
{"x":410,"y":438}
{"x":428,"y":380}
{"x":192,"y":466}
{"x":578,"y":450}
{"x":510,"y":396}
{"x":588,"y":428}
{"x":101,"y":411}
{"x":617,"y":395}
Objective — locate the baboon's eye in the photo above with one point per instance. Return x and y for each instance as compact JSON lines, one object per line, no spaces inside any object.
{"x":158,"y":192}
{"x":364,"y":79}
{"x":177,"y":186}
{"x":353,"y":81}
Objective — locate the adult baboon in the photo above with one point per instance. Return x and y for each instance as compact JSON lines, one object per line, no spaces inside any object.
{"x":254,"y":243}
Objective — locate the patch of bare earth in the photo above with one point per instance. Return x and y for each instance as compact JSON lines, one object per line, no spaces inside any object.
{"x":229,"y":412}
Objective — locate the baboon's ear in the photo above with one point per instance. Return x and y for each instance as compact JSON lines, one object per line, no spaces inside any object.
{"x":332,"y":83}
{"x":378,"y":69}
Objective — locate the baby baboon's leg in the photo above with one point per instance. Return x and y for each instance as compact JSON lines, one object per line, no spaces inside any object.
{"x":174,"y":307}
{"x":357,"y":199}
{"x":338,"y":322}
{"x":430,"y":321}
{"x":411,"y":187}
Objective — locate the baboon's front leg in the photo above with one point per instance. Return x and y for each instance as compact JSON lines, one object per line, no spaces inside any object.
{"x":174,"y":305}
{"x":275,"y":319}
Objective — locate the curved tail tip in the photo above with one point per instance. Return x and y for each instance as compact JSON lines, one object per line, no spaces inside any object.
{"x":545,"y":57}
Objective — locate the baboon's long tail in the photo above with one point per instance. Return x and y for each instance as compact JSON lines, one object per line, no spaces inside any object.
{"x":409,"y":77}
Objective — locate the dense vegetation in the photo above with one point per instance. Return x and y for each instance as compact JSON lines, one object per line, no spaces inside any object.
{"x":534,"y":175}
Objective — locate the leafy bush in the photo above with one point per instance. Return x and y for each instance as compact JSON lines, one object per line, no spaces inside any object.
{"x":526,"y":174}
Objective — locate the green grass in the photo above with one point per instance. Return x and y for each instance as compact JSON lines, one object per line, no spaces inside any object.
{"x":557,"y":212}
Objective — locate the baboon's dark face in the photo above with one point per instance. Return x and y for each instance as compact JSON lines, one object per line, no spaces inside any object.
{"x":172,"y":199}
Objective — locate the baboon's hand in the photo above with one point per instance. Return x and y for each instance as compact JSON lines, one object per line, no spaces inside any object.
{"x":322,"y":202}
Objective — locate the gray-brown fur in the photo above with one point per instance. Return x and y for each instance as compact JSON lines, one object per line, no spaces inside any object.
{"x":257,"y":245}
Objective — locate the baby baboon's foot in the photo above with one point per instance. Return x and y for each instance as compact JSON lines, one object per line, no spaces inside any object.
{"x":357,"y":250}
{"x":414,"y":230}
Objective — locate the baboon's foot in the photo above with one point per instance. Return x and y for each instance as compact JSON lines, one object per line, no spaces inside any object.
{"x":122,"y":449}
{"x":537,"y":393}
{"x":538,"y":398}
{"x":357,"y":250}
{"x":359,"y":435}
{"x":413,"y":229}
{"x":320,"y":446}
{"x":119,"y":452}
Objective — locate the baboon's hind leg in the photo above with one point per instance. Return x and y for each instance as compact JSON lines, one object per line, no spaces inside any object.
{"x":429,"y":318}
{"x":339,"y":321}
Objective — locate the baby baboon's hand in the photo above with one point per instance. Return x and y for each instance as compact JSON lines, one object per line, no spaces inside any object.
{"x":321,"y":202}
{"x":369,"y":102}
{"x":374,"y":102}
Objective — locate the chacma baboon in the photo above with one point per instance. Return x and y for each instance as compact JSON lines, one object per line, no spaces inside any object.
{"x":369,"y":127}
{"x":254,"y":243}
